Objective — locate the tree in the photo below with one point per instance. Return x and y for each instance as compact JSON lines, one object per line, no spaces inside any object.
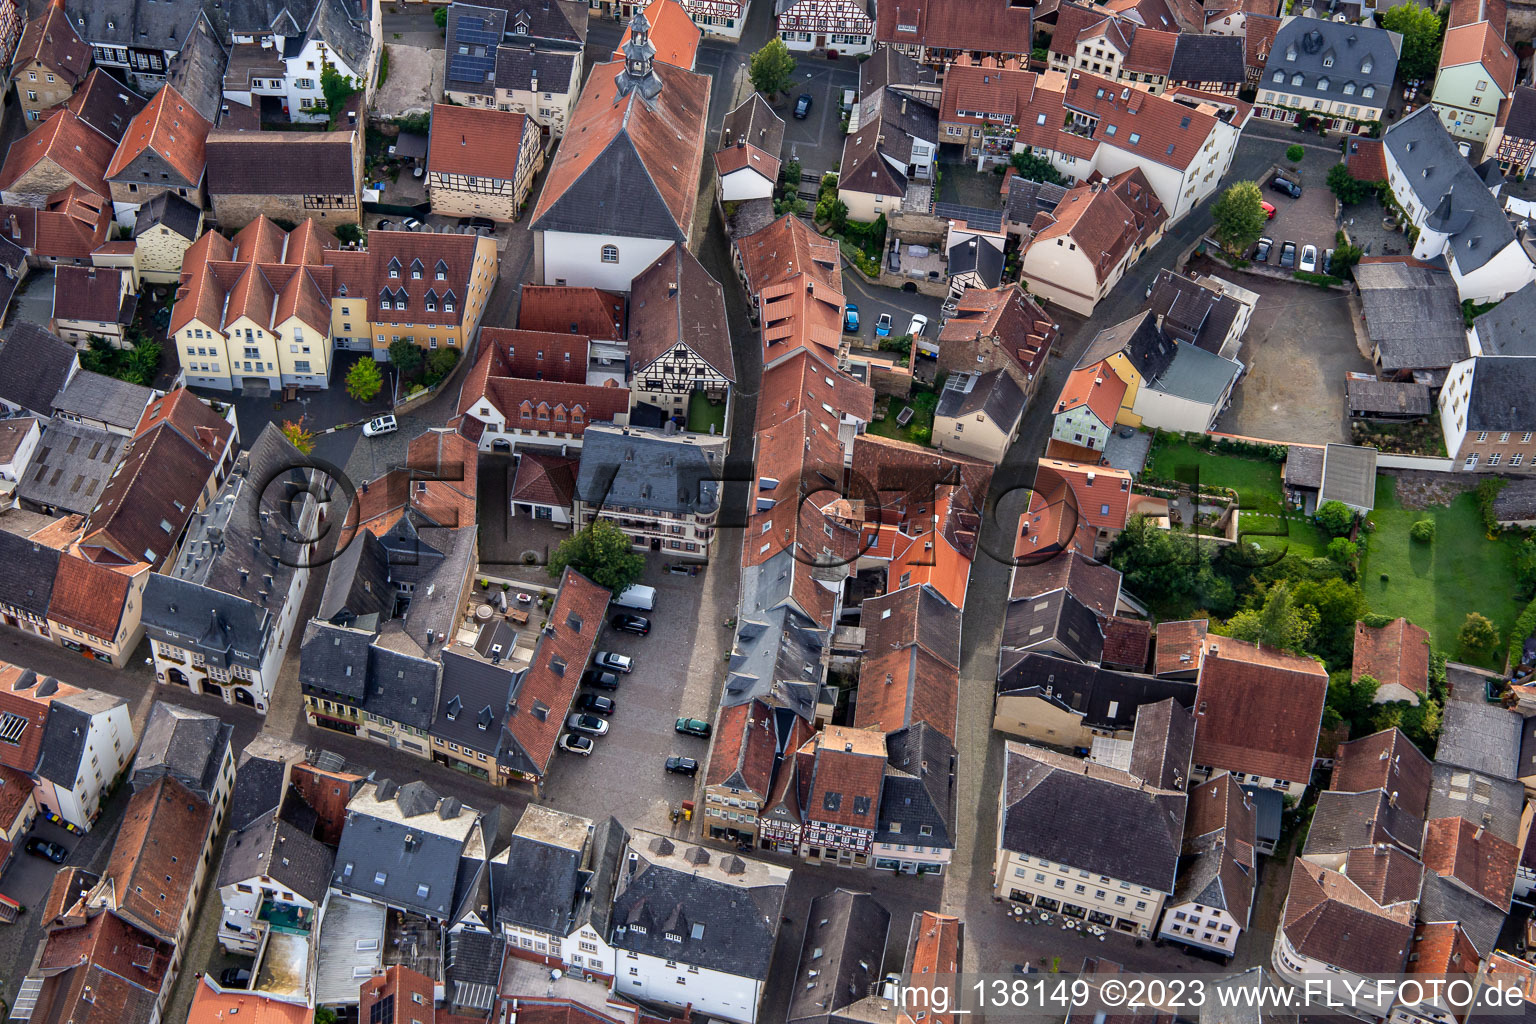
{"x":440,"y":17}
{"x":1177,"y":567}
{"x":1352,"y":700}
{"x":1239,"y":217}
{"x":1422,"y":31}
{"x":603,"y":553}
{"x":350,"y":233}
{"x":1036,"y":168}
{"x":1525,"y":567}
{"x":1345,"y":552}
{"x":440,"y":363}
{"x":338,"y":88}
{"x":1338,"y":605}
{"x":772,"y":67}
{"x":141,"y":363}
{"x":364,"y":380}
{"x":1348,"y":189}
{"x":406,"y":355}
{"x":1345,"y":257}
{"x":1279,"y":622}
{"x":1477,"y":634}
{"x":1295,"y":152}
{"x":1422,"y":531}
{"x":1335,"y":517}
{"x":298,"y":436}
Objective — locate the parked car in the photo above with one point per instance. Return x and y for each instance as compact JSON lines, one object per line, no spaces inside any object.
{"x":380,"y":425}
{"x":1269,"y":210}
{"x":596,"y":703}
{"x":803,"y":106}
{"x":411,"y":224}
{"x":589,"y":724}
{"x":600,"y":679}
{"x":479,"y":223}
{"x":56,"y":853}
{"x":883,"y":326}
{"x":918,"y":325}
{"x":581,"y":746}
{"x":685,"y":568}
{"x":1309,"y":259}
{"x":1286,"y":187}
{"x":1261,"y":254}
{"x":636,"y":624}
{"x":851,"y":319}
{"x":893,"y":259}
{"x":683,"y":766}
{"x":1328,"y":262}
{"x":1288,"y":255}
{"x":234,"y":977}
{"x":613,"y":662}
{"x":693,"y":727}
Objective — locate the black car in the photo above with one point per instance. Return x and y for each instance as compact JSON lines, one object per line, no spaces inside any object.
{"x":1288,"y":255}
{"x":1261,"y":254}
{"x":636,"y":624}
{"x":47,"y":850}
{"x":596,"y":703}
{"x":803,"y":106}
{"x":479,"y":223}
{"x":600,"y":678}
{"x":683,"y":766}
{"x":1286,"y":187}
{"x":234,"y":977}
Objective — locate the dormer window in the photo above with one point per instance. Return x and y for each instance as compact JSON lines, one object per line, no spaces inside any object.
{"x":1280,"y":76}
{"x":1368,"y":91}
{"x":1322,"y":85}
{"x":1349,"y":88}
{"x":416,"y":270}
{"x":1366,"y":65}
{"x":1327,"y":62}
{"x":1296,"y":79}
{"x":394,"y":268}
{"x":1290,"y":52}
{"x":442,"y":270}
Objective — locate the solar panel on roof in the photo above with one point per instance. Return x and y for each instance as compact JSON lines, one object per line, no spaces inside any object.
{"x":974,"y":216}
{"x":470,"y":69}
{"x":475,"y":33}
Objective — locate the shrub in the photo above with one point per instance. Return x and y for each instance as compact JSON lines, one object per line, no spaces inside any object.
{"x":1335,"y":517}
{"x":1477,"y":633}
{"x":1295,"y":152}
{"x":1422,"y":531}
{"x":1487,"y":493}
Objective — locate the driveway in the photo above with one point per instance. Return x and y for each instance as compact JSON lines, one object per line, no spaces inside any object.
{"x":817,"y":141}
{"x":1295,"y":325}
{"x":34,"y":299}
{"x":1305,"y":221}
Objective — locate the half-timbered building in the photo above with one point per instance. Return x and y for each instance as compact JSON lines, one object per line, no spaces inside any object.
{"x":679,"y":341}
{"x":481,"y":163}
{"x":840,"y":26}
{"x":719,"y":19}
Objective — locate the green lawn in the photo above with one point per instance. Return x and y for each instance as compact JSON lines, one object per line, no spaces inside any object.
{"x":1256,"y":482}
{"x":923,"y":403}
{"x":703,"y":414}
{"x":1435,"y":585}
{"x":1302,"y":537}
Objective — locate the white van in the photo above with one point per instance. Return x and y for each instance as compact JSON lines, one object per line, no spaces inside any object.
{"x":641,"y":599}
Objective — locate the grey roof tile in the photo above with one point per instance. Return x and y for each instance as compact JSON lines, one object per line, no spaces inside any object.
{"x":30,"y":567}
{"x":71,"y":466}
{"x":1105,"y":699}
{"x":93,"y":396}
{"x":34,"y":366}
{"x":1412,"y":315}
{"x":271,"y":847}
{"x":1212,"y":58}
{"x":187,"y":745}
{"x":675,"y":474}
{"x":1481,"y":737}
{"x":840,"y":955}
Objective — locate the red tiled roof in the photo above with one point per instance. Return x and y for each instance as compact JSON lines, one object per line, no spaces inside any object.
{"x":1098,"y":387}
{"x":192,"y":418}
{"x":72,"y":224}
{"x":1478,"y":859}
{"x":744,"y":751}
{"x":1386,"y":761}
{"x":1106,"y":221}
{"x":88,"y":597}
{"x":786,"y":249}
{"x":1102,"y":493}
{"x":27,"y":704}
{"x":847,"y":770}
{"x":399,"y":983}
{"x":1470,"y":12}
{"x":559,"y":309}
{"x":536,"y":355}
{"x":1151,"y":51}
{"x":1330,"y":918}
{"x":1008,"y":315}
{"x":498,"y":136}
{"x":156,"y":853}
{"x":264,"y":273}
{"x":69,"y":143}
{"x":545,"y":479}
{"x":673,"y":34}
{"x":1259,"y":33}
{"x":367,"y":274}
{"x":1258,"y":710}
{"x":904,"y":680}
{"x":171,"y":128}
{"x":554,"y":674}
{"x":989,"y":26}
{"x":566,"y":407}
{"x":210,"y":1007}
{"x":1127,"y":642}
{"x":1178,"y":641}
{"x":149,"y":499}
{"x":1366,"y":160}
{"x":15,"y":790}
{"x":52,"y":42}
{"x":443,"y":466}
{"x":1443,"y":948}
{"x":1158,"y":123}
{"x":1395,"y":654}
{"x":89,"y":293}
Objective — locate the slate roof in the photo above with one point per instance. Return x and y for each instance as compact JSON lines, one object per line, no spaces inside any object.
{"x":51,"y":40}
{"x":271,"y":847}
{"x":1481,"y":737}
{"x":1026,"y":198}
{"x":473,"y":700}
{"x":280,"y":163}
{"x":94,"y":396}
{"x":994,"y":394}
{"x":1443,"y":900}
{"x":1349,"y":821}
{"x":197,"y":70}
{"x":840,"y":955}
{"x":674,"y":475}
{"x":919,"y":788}
{"x":1191,"y":312}
{"x":1055,"y":616}
{"x":1387,"y":398}
{"x":357,"y":590}
{"x":1207,"y":58}
{"x":972,"y":256}
{"x":1328,"y":54}
{"x":724,"y":910}
{"x":1146,"y":346}
{"x":676,"y":300}
{"x":30,"y":568}
{"x":173,"y":212}
{"x":1043,"y":796}
{"x":537,"y":880}
{"x":1445,"y":184}
{"x":1412,"y":315}
{"x":393,"y":685}
{"x":128,"y":23}
{"x":1498,"y":384}
{"x":1259,"y":710}
{"x":1486,"y":800}
{"x":186,"y":745}
{"x":61,"y":759}
{"x":518,"y":66}
{"x":1220,"y":831}
{"x":1506,"y":329}
{"x":261,"y":780}
{"x":1105,"y":699}
{"x":888,"y":123}
{"x":376,"y":860}
{"x":633,"y":171}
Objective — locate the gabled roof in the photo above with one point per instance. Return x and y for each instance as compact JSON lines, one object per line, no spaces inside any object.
{"x":920,"y":793}
{"x":1478,"y":859}
{"x":1412,"y":315}
{"x":1207,"y":58}
{"x":1397,"y":654}
{"x":845,"y":938}
{"x":675,"y":300}
{"x":149,"y":499}
{"x":1497,"y":383}
{"x":1259,"y":710}
{"x":1386,"y":761}
{"x":156,"y":855}
{"x":537,"y":881}
{"x":633,"y":169}
{"x":1331,"y":918}
{"x":187,"y":745}
{"x":1103,"y":698}
{"x":910,"y":667}
{"x":1220,"y":832}
{"x":106,"y":104}
{"x":752,"y":135}
{"x":171,"y":129}
{"x":34,"y":365}
{"x":1097,"y":388}
{"x":498,"y":136}
{"x":991,"y":26}
{"x":170,"y":211}
{"x":67,"y":142}
{"x":672,"y":33}
{"x":88,"y":597}
{"x":597,"y":314}
{"x":51,"y":40}
{"x":281,"y":163}
{"x":270,"y":847}
{"x":746,"y":743}
{"x":993,"y":394}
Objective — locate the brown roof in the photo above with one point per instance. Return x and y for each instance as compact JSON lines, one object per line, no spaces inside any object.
{"x":785,"y":249}
{"x":673,"y":34}
{"x":751,"y":135}
{"x":1259,"y":31}
{"x":210,"y":1007}
{"x":367,"y":273}
{"x":88,"y":597}
{"x":123,"y":966}
{"x":905,"y":675}
{"x":15,"y":789}
{"x":545,"y":478}
{"x":1258,"y":710}
{"x":1366,"y":160}
{"x":72,"y":224}
{"x":847,"y":769}
{"x":1330,"y":918}
{"x":989,"y":26}
{"x":1102,"y":493}
{"x":675,"y":300}
{"x":1008,"y":315}
{"x":69,"y":143}
{"x":149,"y":499}
{"x":1180,"y":646}
{"x":106,"y":104}
{"x":564,"y":407}
{"x":1475,"y":857}
{"x":557,"y":308}
{"x":1127,"y":642}
{"x":89,"y":293}
{"x":20,"y":696}
{"x":1094,"y":584}
{"x":1387,"y":761}
{"x":156,"y":853}
{"x":744,"y":750}
{"x":1470,"y":12}
{"x":553,"y":676}
{"x":242,"y":163}
{"x":1385,"y":874}
{"x":935,"y":944}
{"x":609,"y":133}
{"x":498,"y":136}
{"x":1443,"y":948}
{"x":171,"y":128}
{"x":1106,"y":221}
{"x":399,"y":983}
{"x":444,"y":466}
{"x":1397,"y":653}
{"x":52,"y":42}
{"x":1151,"y":51}
{"x":192,"y":418}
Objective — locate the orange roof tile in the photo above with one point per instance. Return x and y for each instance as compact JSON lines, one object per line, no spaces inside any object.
{"x":88,"y":597}
{"x":1258,"y":710}
{"x":673,"y":33}
{"x":443,"y":466}
{"x":1098,"y":387}
{"x":173,"y":130}
{"x":210,"y":1007}
{"x":498,"y":136}
{"x":1179,"y":646}
{"x":744,"y":751}
{"x":1102,"y":493}
{"x":1478,"y":859}
{"x":66,"y":141}
{"x":1481,"y":43}
{"x":156,"y":854}
{"x":847,"y":770}
{"x":1395,"y":654}
{"x":557,"y":308}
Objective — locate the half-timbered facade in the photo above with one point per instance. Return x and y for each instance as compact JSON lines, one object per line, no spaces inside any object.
{"x":718,"y":19}
{"x":843,"y":26}
{"x":679,"y":341}
{"x":847,"y":768}
{"x":481,"y":163}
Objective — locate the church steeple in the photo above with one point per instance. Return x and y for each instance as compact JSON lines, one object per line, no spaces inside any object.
{"x":639,"y":74}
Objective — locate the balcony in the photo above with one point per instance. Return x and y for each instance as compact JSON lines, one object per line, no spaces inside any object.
{"x":285,"y":917}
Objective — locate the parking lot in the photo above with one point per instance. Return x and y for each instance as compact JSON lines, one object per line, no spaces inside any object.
{"x":1305,"y":221}
{"x":678,"y":669}
{"x":817,"y":140}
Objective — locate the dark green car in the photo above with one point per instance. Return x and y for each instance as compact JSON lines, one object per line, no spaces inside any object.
{"x":694,"y":727}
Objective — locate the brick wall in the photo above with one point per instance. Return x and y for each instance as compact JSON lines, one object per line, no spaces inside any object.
{"x":1498,"y":450}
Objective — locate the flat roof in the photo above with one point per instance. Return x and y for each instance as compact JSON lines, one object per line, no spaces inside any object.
{"x":1349,"y":475}
{"x":351,"y":949}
